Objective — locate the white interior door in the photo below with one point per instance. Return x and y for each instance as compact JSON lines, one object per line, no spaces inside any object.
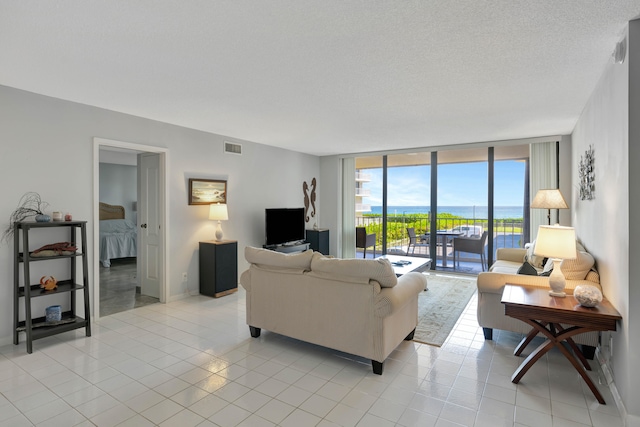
{"x":149,"y":225}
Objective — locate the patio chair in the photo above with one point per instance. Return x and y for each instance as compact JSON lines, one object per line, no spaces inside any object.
{"x":414,"y":241}
{"x":474,"y":245}
{"x":364,"y":240}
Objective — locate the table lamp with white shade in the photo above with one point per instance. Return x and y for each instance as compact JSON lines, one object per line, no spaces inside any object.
{"x":558,"y":243}
{"x":549,"y":199}
{"x":218,"y":212}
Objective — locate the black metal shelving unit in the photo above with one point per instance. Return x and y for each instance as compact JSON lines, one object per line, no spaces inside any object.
{"x":36,"y":328}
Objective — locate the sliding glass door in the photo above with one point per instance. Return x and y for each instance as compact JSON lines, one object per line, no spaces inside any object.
{"x":368,"y":203}
{"x":418,"y":203}
{"x":408,"y":200}
{"x":462,"y":207}
{"x":511,"y":189}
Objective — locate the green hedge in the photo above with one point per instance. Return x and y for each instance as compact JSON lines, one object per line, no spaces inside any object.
{"x":397,"y":225}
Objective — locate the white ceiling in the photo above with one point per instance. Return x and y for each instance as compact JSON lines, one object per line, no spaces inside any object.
{"x":321,"y":77}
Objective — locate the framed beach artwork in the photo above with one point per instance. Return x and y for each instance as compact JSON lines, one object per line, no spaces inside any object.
{"x":207,"y":191}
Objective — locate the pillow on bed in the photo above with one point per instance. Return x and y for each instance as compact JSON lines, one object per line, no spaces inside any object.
{"x":117,"y":226}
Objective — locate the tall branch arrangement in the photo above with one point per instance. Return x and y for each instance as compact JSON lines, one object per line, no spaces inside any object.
{"x":30,"y":204}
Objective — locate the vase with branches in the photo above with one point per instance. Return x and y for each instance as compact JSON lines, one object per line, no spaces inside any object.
{"x":30,"y":205}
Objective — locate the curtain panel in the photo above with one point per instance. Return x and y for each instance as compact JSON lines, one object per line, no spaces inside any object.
{"x":543,"y":174}
{"x":348,"y":246}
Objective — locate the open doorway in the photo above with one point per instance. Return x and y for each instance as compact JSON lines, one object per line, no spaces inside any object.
{"x":129,"y":240}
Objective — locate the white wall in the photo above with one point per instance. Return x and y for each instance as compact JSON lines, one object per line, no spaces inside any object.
{"x":604,"y":224}
{"x":47,"y":146}
{"x":118,"y":186}
{"x":631,"y":359}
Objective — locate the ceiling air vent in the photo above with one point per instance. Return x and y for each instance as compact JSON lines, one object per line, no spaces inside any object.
{"x":232,"y":148}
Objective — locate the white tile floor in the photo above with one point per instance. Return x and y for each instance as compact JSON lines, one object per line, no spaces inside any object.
{"x":193,"y":363}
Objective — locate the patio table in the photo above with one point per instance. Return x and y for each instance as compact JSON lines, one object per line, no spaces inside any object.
{"x":444,"y":235}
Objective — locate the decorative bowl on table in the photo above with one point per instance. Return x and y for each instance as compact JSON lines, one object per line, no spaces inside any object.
{"x":587,"y":295}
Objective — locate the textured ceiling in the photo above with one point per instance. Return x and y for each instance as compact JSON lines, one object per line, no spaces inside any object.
{"x":321,"y":77}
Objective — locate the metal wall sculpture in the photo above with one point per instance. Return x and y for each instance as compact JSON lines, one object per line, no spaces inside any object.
{"x":587,"y":175}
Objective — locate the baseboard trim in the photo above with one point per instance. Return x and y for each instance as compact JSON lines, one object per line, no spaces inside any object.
{"x":631,"y":421}
{"x":179,"y":297}
{"x":604,"y":367}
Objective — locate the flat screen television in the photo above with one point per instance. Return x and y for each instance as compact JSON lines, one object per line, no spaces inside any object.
{"x":284,"y":225}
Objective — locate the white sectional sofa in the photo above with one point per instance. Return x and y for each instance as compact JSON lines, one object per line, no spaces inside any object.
{"x":355,"y":306}
{"x":504,"y":271}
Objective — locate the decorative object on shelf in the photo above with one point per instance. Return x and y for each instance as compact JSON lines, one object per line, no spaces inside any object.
{"x":54,"y":249}
{"x":549,"y":199}
{"x":30,"y":205}
{"x":53,"y":313}
{"x":218,"y":212}
{"x":309,"y":199}
{"x":558,"y":243}
{"x":43,"y":218}
{"x":57,"y":216}
{"x":207,"y":191}
{"x":68,"y":217}
{"x":48,"y":283}
{"x":586,"y":170}
{"x":587,"y":295}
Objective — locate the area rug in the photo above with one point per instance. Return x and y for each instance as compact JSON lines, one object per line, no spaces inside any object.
{"x":440,"y":307}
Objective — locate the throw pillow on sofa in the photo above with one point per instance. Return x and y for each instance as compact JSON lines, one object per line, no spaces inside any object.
{"x":379,"y":269}
{"x":535,"y":260}
{"x":527,"y":269}
{"x":271,"y":258}
{"x":574,"y":269}
{"x":577,"y":269}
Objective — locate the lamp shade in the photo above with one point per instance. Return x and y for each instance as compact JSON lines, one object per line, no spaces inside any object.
{"x":549,"y":199}
{"x":218,"y":212}
{"x":555,"y":241}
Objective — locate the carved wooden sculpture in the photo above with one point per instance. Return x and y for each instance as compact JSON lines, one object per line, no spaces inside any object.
{"x":309,"y":199}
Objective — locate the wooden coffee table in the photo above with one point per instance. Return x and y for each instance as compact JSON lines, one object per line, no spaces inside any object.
{"x":404,"y":264}
{"x":545,"y":314}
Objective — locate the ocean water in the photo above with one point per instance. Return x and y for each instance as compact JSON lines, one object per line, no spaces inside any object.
{"x":478,"y":212}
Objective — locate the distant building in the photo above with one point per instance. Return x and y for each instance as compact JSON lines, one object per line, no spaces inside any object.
{"x":362,"y":192}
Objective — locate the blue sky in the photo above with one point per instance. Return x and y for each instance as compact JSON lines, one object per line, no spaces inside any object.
{"x":461,"y":184}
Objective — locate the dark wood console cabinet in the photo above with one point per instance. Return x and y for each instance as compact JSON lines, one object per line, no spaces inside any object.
{"x":218,"y":268}
{"x":319,"y":240}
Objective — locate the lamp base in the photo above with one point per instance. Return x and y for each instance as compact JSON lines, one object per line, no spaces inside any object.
{"x":557,"y":294}
{"x":219,"y":232}
{"x":556,"y":280}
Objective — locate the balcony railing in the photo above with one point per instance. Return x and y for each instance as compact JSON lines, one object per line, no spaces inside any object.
{"x":506,"y":233}
{"x":363,"y":208}
{"x":363,"y":192}
{"x":363,"y":177}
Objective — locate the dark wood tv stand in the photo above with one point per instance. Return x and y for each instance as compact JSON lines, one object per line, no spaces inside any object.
{"x":287,"y":249}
